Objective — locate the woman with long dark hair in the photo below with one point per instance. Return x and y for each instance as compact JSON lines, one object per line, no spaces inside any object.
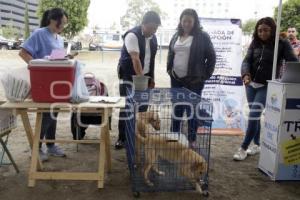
{"x":257,"y":68}
{"x":191,"y":61}
{"x":40,"y":44}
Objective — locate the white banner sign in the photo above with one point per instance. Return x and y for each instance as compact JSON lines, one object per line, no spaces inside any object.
{"x":225,"y":88}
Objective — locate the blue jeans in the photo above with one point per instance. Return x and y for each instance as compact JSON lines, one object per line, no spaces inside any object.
{"x":256,"y":98}
{"x":180,"y":109}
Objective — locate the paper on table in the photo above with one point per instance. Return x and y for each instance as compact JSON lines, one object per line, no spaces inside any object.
{"x":104,"y":99}
{"x":58,"y":54}
{"x":69,"y":48}
{"x":15,"y":89}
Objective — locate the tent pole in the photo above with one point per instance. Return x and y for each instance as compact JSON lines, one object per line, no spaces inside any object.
{"x":277,"y":40}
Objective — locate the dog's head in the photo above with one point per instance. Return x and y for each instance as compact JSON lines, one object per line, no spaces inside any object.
{"x":199,"y":165}
{"x":150,"y":117}
{"x":199,"y":168}
{"x":154,"y":120}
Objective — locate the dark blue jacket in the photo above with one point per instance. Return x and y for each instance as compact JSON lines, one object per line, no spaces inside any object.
{"x":125,"y":67}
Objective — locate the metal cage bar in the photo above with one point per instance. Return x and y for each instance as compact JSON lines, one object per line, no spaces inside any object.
{"x":172,"y":150}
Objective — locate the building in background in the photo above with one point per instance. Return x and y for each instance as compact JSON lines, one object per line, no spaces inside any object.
{"x":204,"y":8}
{"x":238,"y":9}
{"x":241,"y":9}
{"x":12,"y":13}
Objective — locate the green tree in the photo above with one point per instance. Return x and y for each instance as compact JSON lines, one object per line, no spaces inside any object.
{"x":26,"y":20}
{"x":9,"y":31}
{"x":290,"y":14}
{"x":76,"y":9}
{"x":113,"y":26}
{"x":249,"y":26}
{"x":136,"y":10}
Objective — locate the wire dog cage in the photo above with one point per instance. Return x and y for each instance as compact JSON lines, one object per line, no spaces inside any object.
{"x":168,"y":134}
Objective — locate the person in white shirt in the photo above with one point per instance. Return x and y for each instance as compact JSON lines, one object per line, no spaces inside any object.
{"x":137,"y":58}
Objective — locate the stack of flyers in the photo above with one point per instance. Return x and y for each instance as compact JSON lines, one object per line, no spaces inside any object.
{"x":16,"y":90}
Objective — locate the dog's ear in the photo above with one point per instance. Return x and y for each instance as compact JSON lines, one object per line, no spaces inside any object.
{"x":142,"y":116}
{"x":153,"y":115}
{"x":153,"y":119}
{"x":150,"y":115}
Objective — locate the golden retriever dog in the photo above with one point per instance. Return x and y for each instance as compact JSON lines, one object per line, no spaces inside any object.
{"x":146,"y":123}
{"x":190,"y":164}
{"x":145,"y":119}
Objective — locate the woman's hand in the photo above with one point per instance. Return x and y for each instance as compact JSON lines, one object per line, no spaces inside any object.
{"x":247,"y":79}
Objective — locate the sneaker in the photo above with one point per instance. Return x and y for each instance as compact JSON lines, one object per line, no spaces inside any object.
{"x":255,"y":149}
{"x":56,"y":151}
{"x":43,"y":155}
{"x":240,"y":155}
{"x":119,"y":145}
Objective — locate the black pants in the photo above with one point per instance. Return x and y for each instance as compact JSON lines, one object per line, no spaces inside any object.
{"x":180,"y":109}
{"x":124,"y":89}
{"x":48,"y":129}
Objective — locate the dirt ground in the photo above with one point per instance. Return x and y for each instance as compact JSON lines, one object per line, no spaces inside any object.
{"x":229,"y":180}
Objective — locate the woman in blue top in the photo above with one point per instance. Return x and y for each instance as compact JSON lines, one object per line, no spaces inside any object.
{"x":40,"y":44}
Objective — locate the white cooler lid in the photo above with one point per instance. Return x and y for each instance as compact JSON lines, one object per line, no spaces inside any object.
{"x":51,"y":63}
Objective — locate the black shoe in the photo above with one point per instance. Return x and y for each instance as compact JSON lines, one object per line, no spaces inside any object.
{"x":119,"y":145}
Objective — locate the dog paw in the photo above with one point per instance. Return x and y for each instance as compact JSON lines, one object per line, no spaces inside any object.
{"x":198,"y":188}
